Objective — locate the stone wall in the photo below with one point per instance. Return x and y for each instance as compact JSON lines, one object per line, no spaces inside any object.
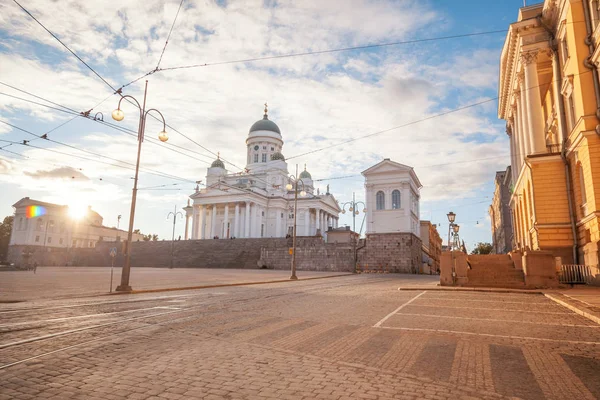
{"x":22,"y":255}
{"x":390,"y":252}
{"x":311,"y":255}
{"x":221,"y":253}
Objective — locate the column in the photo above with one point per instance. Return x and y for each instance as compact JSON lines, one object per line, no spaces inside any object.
{"x":259,"y":221}
{"x":187,"y":224}
{"x":307,"y":222}
{"x":202,"y":222}
{"x":537,"y":139}
{"x":194,"y":224}
{"x":225,"y":222}
{"x":513,"y":156}
{"x":247,"y":227}
{"x":236,"y":220}
{"x":278,"y":223}
{"x":213,"y":221}
{"x":559,"y":115}
{"x":523,"y":127}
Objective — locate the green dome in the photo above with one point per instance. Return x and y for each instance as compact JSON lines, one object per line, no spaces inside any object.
{"x":265,"y":125}
{"x":305,"y":175}
{"x":277,"y":156}
{"x":217,"y":164}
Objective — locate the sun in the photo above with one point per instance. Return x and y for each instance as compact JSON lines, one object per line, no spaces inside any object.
{"x":77,"y":211}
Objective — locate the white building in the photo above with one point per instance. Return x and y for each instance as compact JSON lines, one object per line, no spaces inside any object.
{"x":392,"y":198}
{"x":255,"y":203}
{"x":37,"y":223}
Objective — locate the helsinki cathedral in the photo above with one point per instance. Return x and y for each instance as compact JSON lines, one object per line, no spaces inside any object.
{"x":257,"y":203}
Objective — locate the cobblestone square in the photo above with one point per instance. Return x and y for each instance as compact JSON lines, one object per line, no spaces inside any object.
{"x":345,"y":337}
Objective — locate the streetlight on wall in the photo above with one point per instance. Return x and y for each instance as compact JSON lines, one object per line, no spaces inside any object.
{"x":353,"y":209}
{"x":451,"y":218}
{"x":118,"y":115}
{"x":174,"y":213}
{"x":293,"y":184}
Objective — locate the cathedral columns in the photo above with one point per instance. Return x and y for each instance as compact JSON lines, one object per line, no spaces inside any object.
{"x":226,"y":223}
{"x":213,"y":220}
{"x":307,"y":222}
{"x":194,"y":223}
{"x":236,"y":221}
{"x":202,"y":221}
{"x":247,"y":227}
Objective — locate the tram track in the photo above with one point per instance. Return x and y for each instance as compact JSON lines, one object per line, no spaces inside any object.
{"x":21,"y":351}
{"x":211,"y":303}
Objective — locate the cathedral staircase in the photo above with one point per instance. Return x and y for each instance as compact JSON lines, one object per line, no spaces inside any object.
{"x":494,"y":270}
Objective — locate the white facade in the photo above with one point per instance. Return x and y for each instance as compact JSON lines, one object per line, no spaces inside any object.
{"x":255,"y":203}
{"x":53,"y":227}
{"x":392,"y":191}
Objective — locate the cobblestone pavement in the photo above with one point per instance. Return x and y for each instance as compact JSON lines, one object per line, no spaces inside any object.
{"x":51,"y":282}
{"x":338,"y":338}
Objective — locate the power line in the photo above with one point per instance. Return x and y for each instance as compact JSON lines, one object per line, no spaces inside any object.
{"x":118,"y":91}
{"x":87,"y":115}
{"x":65,"y":46}
{"x":169,"y":35}
{"x":26,"y":143}
{"x":363,"y":47}
{"x":452,"y":111}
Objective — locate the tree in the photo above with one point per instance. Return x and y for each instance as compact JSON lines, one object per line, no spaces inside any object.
{"x":150,"y":237}
{"x":5,"y":230}
{"x":482,"y":248}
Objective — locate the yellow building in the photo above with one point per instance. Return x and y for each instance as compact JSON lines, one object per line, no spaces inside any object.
{"x":549,"y":96}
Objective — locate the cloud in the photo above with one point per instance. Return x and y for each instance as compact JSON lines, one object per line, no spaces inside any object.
{"x":58,"y":173}
{"x":5,"y":166}
{"x":317,"y":101}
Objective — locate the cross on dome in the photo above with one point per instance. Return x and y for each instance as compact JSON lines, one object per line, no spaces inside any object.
{"x":266,"y":116}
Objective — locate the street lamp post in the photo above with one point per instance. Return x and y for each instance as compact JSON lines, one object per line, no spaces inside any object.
{"x":353,"y":209}
{"x":174,"y":213}
{"x":118,"y":115}
{"x":451,"y":218}
{"x":293,"y":184}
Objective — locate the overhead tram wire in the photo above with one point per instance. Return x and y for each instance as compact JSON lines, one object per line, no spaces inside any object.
{"x":338,"y":50}
{"x":169,"y":35}
{"x":98,"y":161}
{"x":117,"y":91}
{"x":147,"y":170}
{"x":86,"y":115}
{"x":64,"y":45}
{"x":430,"y":117}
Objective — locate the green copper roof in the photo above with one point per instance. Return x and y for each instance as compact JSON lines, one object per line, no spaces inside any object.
{"x":217,"y":164}
{"x":305,"y":175}
{"x":265,"y":125}
{"x":277,"y":156}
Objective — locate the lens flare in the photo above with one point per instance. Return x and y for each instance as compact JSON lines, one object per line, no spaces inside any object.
{"x":35,"y":211}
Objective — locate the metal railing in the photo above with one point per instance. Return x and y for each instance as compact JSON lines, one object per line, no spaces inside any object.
{"x":577,"y":274}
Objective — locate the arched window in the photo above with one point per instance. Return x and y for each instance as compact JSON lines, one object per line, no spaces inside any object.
{"x":396,"y":199}
{"x":380,"y":200}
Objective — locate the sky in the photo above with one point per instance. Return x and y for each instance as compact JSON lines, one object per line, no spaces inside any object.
{"x":319,"y":101}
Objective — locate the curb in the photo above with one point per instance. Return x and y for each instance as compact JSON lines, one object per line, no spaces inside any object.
{"x":576,"y":310}
{"x":473,"y":289}
{"x":222,"y":285}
